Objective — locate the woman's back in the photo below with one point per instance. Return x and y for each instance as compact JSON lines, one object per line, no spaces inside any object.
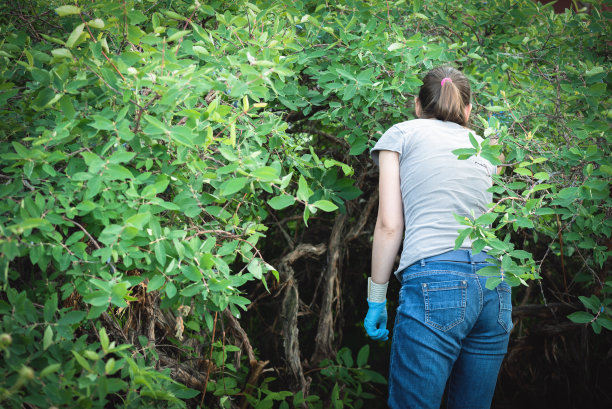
{"x":435,"y":185}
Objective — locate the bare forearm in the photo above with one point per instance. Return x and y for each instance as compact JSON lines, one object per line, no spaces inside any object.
{"x":385,"y":247}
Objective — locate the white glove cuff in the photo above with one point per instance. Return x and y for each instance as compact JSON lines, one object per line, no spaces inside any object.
{"x":377,"y":292}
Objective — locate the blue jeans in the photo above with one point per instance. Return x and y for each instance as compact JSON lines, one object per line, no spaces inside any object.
{"x":448,"y":327}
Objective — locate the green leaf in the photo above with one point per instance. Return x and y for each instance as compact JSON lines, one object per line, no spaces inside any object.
{"x":373,"y":376}
{"x":541,"y":186}
{"x":156,"y":283}
{"x":544,"y":211}
{"x":156,"y":123}
{"x":580,"y":317}
{"x":541,"y":176}
{"x":121,"y":157}
{"x":523,"y":171}
{"x":229,"y":187}
{"x":464,"y":153}
{"x":160,"y":253}
{"x":50,"y":308}
{"x":325,"y":205}
{"x":102,"y":123}
{"x":96,"y":23}
{"x":82,"y":361}
{"x":304,"y":191}
{"x":67,"y":10}
{"x":192,"y":289}
{"x":606,"y":169}
{"x":493,"y":282}
{"x":173,"y":14}
{"x":489,"y":271}
{"x":592,"y":302}
{"x":486,"y":219}
{"x":97,"y":298}
{"x":255,"y":268}
{"x":48,"y":337}
{"x":138,"y":220}
{"x":521,"y":254}
{"x":594,"y":71}
{"x":44,"y":98}
{"x":462,"y":236}
{"x":280,"y":202}
{"x":478,"y":245}
{"x":49,"y":370}
{"x":177,"y":35}
{"x":596,"y":327}
{"x":266,"y":173}
{"x":473,"y":140}
{"x":118,"y":172}
{"x":170,"y":289}
{"x":605,"y":322}
{"x":362,"y":356}
{"x":61,"y":53}
{"x":104,"y":341}
{"x":72,"y":317}
{"x":74,"y":36}
{"x":182,"y":135}
{"x":192,"y":273}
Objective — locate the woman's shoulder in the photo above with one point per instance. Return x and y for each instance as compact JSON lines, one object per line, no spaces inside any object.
{"x":427,"y":127}
{"x":413,"y":124}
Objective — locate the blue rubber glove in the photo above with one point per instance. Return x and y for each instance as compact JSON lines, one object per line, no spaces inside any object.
{"x":375,"y":322}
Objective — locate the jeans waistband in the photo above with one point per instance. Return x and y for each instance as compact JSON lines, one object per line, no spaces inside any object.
{"x":462,"y":256}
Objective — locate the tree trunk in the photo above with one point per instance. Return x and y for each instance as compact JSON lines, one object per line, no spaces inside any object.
{"x":324,"y":340}
{"x":289,"y":313}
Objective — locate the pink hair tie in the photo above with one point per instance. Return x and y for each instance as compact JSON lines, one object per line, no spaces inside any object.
{"x":445,"y":80}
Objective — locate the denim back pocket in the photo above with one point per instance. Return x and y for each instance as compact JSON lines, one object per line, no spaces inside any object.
{"x":444,"y":303}
{"x":505,"y":306}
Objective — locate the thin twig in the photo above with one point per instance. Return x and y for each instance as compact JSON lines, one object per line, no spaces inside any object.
{"x":95,"y":243}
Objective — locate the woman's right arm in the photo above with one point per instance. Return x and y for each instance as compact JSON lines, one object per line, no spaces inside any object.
{"x":387,"y":240}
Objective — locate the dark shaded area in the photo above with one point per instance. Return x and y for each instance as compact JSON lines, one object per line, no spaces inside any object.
{"x":551,"y":362}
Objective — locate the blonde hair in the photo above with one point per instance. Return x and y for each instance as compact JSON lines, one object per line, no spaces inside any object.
{"x":444,"y":95}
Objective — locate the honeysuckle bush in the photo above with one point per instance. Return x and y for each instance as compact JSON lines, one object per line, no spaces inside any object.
{"x":146,"y":147}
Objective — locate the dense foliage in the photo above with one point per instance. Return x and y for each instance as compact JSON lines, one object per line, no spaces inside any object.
{"x":164,"y":166}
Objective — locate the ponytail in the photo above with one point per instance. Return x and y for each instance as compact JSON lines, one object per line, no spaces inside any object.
{"x":444,"y":95}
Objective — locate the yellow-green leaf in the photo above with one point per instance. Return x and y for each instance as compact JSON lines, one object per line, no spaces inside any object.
{"x":74,"y":36}
{"x":395,"y":46}
{"x":67,"y":10}
{"x":177,"y":35}
{"x":82,"y":361}
{"x":523,"y":171}
{"x":61,"y":53}
{"x":48,"y":337}
{"x":96,"y":23}
{"x":49,"y":370}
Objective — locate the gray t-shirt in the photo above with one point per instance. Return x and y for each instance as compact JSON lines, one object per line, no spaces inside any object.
{"x":435,"y":184}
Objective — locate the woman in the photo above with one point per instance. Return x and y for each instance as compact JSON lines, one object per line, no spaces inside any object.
{"x":450,"y":330}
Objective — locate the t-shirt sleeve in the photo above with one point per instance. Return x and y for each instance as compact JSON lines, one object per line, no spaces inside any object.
{"x":392,"y":140}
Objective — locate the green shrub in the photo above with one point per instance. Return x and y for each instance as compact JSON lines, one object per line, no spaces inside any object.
{"x":149,"y":150}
